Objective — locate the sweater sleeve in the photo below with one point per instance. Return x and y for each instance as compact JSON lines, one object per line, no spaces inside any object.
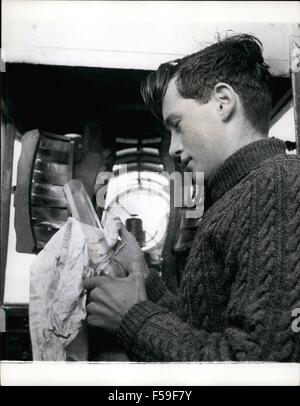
{"x":158,"y":292}
{"x":264,"y":289}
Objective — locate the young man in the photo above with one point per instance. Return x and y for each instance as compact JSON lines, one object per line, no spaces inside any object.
{"x":241,"y":284}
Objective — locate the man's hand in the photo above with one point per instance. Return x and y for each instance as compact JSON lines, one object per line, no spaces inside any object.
{"x":110,"y":298}
{"x":130,"y":257}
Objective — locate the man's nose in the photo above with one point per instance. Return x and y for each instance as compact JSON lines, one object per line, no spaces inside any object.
{"x":176,"y":146}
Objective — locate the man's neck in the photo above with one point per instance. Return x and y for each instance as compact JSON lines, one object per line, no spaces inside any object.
{"x":240,"y":163}
{"x":244,"y":136}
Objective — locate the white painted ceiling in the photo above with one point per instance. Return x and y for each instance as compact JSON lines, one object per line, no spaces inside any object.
{"x":138,"y":35}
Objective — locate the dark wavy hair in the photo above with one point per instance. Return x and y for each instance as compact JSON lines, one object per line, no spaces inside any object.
{"x":236,"y":60}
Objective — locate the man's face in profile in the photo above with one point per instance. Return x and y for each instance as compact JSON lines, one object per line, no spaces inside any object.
{"x":196,"y":131}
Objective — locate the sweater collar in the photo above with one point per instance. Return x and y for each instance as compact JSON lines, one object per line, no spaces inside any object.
{"x":240,"y":163}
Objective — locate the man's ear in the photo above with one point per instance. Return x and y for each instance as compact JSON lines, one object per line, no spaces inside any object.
{"x":225,"y":98}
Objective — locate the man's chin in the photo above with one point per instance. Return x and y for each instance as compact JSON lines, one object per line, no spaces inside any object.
{"x":198,"y":175}
{"x":196,"y":172}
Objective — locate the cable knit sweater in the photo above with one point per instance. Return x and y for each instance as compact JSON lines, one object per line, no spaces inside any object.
{"x":242,"y":278}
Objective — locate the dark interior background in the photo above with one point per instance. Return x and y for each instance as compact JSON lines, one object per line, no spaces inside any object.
{"x":63,"y":99}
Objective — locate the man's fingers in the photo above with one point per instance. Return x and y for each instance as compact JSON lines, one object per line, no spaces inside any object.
{"x":122,"y":229}
{"x":97,"y":282}
{"x":90,"y":283}
{"x":95,"y":321}
{"x":119,"y":271}
{"x":123,"y":232}
{"x":92,"y":308}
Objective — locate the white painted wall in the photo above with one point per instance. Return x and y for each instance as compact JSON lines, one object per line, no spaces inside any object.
{"x":284,"y":128}
{"x":17,"y":273}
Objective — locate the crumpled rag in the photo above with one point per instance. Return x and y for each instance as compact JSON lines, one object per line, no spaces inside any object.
{"x":57,"y":298}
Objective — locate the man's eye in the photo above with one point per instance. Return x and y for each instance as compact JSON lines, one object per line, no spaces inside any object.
{"x":176,"y":124}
